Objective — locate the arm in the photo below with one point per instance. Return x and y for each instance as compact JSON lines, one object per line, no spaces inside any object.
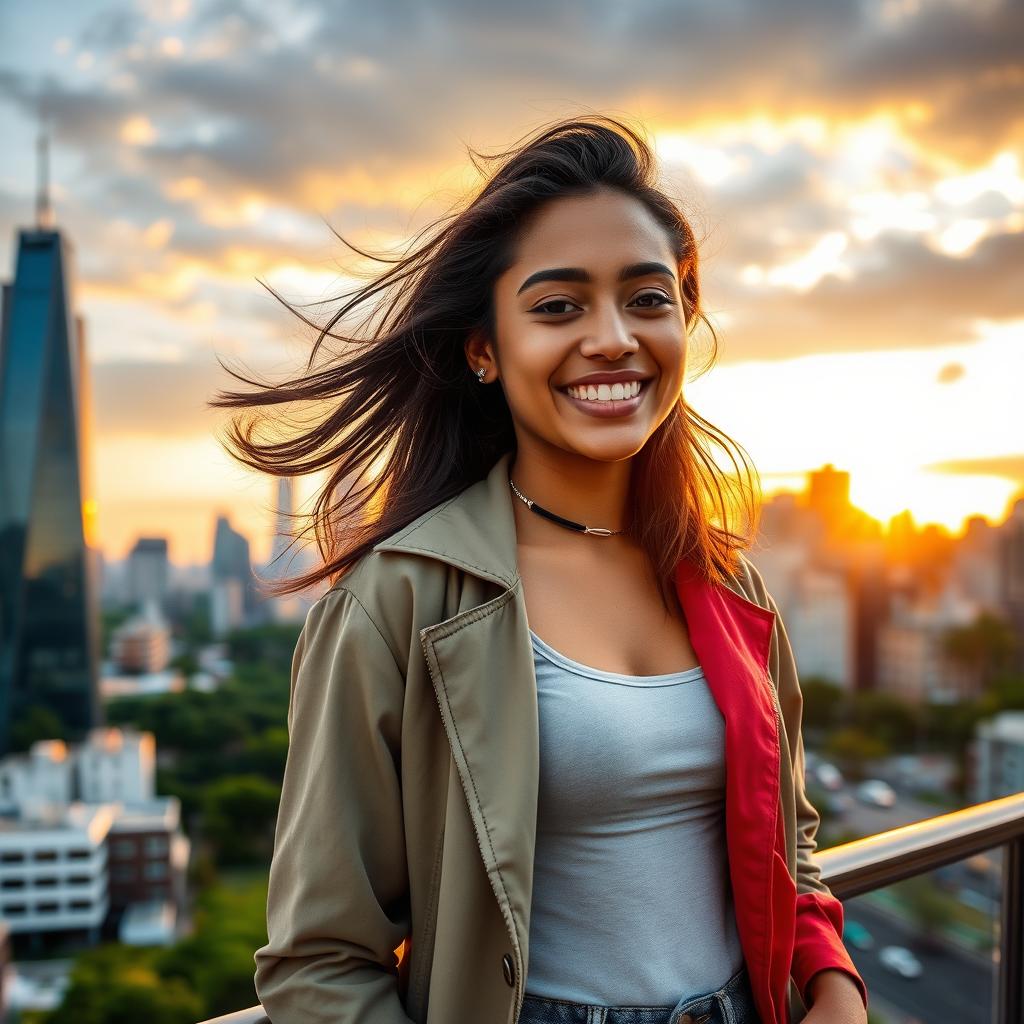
{"x":818,"y":942}
{"x":337,"y":902}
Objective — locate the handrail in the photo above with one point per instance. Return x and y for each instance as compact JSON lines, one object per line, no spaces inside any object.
{"x":874,"y":862}
{"x":877,"y":861}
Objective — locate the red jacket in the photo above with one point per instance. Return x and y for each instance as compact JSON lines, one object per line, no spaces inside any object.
{"x":785,"y":927}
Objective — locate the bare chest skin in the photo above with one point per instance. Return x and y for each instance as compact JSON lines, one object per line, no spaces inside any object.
{"x":603,"y":609}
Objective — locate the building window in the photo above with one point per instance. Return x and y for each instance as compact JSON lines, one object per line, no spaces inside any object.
{"x":80,"y":880}
{"x":79,"y":854}
{"x":156,"y":845}
{"x":123,"y":873}
{"x":81,"y":905}
{"x":47,"y":908}
{"x":155,"y":870}
{"x":13,"y":909}
{"x":46,"y":883}
{"x":124,"y":849}
{"x":12,"y":883}
{"x":44,"y":855}
{"x":12,"y":857}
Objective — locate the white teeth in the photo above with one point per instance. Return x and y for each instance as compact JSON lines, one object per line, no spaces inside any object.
{"x":605,"y":392}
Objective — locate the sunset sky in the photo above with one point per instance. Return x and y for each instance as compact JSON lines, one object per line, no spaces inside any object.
{"x":856,"y":171}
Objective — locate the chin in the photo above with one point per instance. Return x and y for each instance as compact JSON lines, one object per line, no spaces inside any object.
{"x":609,"y":451}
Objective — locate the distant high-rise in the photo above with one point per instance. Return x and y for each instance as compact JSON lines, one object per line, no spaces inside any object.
{"x":49,"y":611}
{"x":148,"y":571}
{"x":233,"y":595}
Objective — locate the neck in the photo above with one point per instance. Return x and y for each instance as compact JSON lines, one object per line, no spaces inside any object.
{"x":585,"y":490}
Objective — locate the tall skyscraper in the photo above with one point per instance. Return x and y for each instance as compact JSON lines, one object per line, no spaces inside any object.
{"x":49,"y":611}
{"x":233,"y":597}
{"x":148,"y":572}
{"x":285,"y":559}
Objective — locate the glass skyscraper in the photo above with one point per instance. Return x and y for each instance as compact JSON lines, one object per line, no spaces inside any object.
{"x":49,"y":612}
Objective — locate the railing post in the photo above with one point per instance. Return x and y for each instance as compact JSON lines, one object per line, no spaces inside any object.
{"x":1010,"y":981}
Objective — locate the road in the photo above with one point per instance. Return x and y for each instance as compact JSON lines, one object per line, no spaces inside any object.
{"x":952,"y":987}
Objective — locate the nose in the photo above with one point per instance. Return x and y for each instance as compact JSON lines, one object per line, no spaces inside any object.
{"x":609,"y":336}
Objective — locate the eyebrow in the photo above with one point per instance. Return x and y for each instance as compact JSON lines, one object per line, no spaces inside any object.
{"x":580,"y":275}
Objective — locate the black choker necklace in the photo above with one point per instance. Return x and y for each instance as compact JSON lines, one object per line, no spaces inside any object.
{"x":578,"y":527}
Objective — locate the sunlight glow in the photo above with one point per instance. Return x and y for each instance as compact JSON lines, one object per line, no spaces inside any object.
{"x":137,"y":131}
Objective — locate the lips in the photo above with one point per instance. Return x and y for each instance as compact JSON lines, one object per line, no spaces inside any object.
{"x":608,"y":377}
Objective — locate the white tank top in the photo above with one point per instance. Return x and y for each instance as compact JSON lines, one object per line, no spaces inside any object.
{"x":632,"y":903}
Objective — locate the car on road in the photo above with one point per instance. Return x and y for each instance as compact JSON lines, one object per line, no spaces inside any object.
{"x":876,"y":792}
{"x":857,"y":935}
{"x":828,"y":775}
{"x":901,"y":961}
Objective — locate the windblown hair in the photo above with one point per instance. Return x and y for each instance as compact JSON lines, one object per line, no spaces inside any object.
{"x":400,"y":422}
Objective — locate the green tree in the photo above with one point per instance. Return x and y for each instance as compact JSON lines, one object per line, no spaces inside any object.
{"x":115,"y":984}
{"x":886,"y":717}
{"x":853,"y":748}
{"x":987,"y":646}
{"x":823,"y":703}
{"x":239,"y":813}
{"x":36,"y":722}
{"x":928,"y":908}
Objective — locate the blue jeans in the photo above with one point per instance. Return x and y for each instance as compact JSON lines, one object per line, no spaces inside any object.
{"x":733,"y":1003}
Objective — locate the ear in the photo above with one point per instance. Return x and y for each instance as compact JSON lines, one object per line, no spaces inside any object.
{"x":479,"y":351}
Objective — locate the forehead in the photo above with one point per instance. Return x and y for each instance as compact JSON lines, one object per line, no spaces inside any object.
{"x":604,"y":229}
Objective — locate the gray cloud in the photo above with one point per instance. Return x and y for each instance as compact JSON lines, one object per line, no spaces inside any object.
{"x":375,"y":87}
{"x":915,"y":297}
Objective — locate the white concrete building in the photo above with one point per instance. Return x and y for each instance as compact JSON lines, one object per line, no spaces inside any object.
{"x":53,"y":869}
{"x":112,"y":764}
{"x":116,"y":765}
{"x":998,"y":756}
{"x":148,"y":924}
{"x":42,"y":777}
{"x":145,"y":684}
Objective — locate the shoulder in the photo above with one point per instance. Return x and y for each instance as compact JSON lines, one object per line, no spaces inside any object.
{"x":750,"y":581}
{"x":395,"y":592}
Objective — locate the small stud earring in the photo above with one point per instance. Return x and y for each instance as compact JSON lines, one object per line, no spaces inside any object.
{"x":481,"y":373}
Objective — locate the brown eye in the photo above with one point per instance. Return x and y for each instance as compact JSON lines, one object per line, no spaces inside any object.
{"x":544,"y":307}
{"x":665,"y":300}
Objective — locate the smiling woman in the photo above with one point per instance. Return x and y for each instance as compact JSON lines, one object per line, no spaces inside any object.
{"x":404,"y":427}
{"x":545,"y":677}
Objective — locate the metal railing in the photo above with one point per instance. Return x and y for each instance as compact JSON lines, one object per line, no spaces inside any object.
{"x":875,"y":862}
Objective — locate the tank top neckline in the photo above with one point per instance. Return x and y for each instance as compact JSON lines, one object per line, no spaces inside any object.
{"x":578,"y":668}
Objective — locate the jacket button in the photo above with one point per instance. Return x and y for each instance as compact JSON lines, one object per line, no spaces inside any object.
{"x":508,"y":969}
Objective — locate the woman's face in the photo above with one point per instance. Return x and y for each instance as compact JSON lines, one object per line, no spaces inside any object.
{"x":593,"y":291}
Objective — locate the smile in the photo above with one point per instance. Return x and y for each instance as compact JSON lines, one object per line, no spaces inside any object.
{"x":603,"y":403}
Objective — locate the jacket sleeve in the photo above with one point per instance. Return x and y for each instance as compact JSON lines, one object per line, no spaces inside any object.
{"x":337,"y":902}
{"x":818,"y":942}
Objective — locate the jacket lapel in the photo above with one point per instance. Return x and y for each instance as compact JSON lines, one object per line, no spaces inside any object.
{"x":481,"y":665}
{"x":732,"y":636}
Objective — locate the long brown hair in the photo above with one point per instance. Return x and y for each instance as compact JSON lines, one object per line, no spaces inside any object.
{"x":402,"y":397}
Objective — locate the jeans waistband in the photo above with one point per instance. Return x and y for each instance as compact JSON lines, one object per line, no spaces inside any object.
{"x":733,"y":1003}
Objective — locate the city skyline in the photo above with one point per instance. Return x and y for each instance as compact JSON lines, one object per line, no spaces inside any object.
{"x":859,"y":196}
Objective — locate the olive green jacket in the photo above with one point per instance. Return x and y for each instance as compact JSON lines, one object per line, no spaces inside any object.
{"x":409,"y":801}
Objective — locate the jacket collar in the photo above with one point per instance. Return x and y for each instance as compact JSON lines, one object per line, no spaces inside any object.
{"x":476,"y":531}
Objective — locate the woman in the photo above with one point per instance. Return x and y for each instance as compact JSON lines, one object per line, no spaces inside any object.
{"x":545,"y":725}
